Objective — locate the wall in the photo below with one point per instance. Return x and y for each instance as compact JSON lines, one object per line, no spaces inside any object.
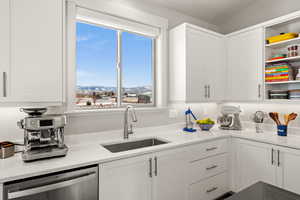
{"x":96,"y":122}
{"x":258,"y":12}
{"x":175,"y":18}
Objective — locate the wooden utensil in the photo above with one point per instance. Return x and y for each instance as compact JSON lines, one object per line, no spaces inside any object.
{"x":291,"y":117}
{"x":286,"y":119}
{"x":275,"y":117}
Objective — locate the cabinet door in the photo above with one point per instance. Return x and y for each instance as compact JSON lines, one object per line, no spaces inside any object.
{"x":288,"y":169}
{"x":216,"y":74}
{"x":170,"y":176}
{"x":4,"y":49}
{"x":127,"y":179}
{"x":244,"y":66}
{"x":205,"y":65}
{"x":254,"y":163}
{"x":197,"y":65}
{"x":36,"y":50}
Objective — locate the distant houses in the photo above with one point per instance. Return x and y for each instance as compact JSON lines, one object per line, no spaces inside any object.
{"x":106,"y":96}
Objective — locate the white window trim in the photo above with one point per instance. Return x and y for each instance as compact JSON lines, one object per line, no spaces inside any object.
{"x":161,"y":70}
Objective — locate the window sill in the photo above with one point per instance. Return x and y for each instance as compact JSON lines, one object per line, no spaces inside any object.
{"x":114,"y":111}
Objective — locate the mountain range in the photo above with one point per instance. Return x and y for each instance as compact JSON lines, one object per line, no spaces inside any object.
{"x":136,"y":90}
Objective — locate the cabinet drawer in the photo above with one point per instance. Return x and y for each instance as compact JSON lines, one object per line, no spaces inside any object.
{"x":210,"y":188}
{"x":204,"y":150}
{"x":208,"y":167}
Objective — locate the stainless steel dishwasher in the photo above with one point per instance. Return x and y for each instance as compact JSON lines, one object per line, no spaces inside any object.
{"x":78,"y":184}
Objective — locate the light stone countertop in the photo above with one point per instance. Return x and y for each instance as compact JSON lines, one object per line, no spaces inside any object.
{"x":86,"y":149}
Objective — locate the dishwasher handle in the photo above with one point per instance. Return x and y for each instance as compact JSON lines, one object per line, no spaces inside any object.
{"x":45,"y":188}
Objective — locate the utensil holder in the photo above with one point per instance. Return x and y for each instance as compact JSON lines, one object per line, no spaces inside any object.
{"x":7,"y":149}
{"x":282,"y":130}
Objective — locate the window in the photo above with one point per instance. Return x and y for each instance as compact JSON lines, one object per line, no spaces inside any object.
{"x":114,"y":67}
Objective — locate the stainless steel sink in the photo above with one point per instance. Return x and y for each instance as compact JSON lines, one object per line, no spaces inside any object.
{"x":126,"y":146}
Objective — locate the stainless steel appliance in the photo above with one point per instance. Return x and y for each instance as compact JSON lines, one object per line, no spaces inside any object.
{"x":230,"y":118}
{"x":79,"y":184}
{"x":258,"y":118}
{"x":43,"y":135}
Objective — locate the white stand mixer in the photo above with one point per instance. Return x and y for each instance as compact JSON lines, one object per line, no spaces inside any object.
{"x":230,"y":118}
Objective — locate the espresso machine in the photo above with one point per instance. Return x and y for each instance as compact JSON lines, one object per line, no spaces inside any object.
{"x":230,"y":118}
{"x":43,"y":134}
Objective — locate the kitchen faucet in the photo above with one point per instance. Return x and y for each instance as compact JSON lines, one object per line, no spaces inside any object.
{"x":128,"y":126}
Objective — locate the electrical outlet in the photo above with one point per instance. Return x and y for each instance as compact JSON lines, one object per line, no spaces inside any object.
{"x":173,"y":113}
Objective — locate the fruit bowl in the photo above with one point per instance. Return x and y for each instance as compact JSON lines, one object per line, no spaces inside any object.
{"x":206,"y":127}
{"x":205,"y":124}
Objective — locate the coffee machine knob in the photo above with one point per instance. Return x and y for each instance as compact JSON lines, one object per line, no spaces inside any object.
{"x":21,"y":124}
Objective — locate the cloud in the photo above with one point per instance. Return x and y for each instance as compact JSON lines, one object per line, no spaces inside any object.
{"x":82,"y":38}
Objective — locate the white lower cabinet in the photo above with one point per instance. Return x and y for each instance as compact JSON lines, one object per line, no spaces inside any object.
{"x":202,"y":169}
{"x":170,"y":175}
{"x":209,"y":189}
{"x":254,"y":162}
{"x":288,"y":175}
{"x":155,"y":176}
{"x":178,"y":174}
{"x":207,"y":170}
{"x":126,"y":179}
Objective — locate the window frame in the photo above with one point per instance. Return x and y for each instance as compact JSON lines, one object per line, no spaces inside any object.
{"x":159,"y":54}
{"x":119,"y":66}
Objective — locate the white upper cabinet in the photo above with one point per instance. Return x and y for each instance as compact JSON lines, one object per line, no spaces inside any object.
{"x":197,"y":64}
{"x":4,"y":48}
{"x":35,"y":52}
{"x":245,"y":65}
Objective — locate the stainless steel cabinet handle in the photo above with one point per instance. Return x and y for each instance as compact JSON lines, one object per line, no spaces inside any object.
{"x":272,"y":156}
{"x":211,"y":190}
{"x":259,"y":90}
{"x":278,"y":159}
{"x":155,"y":164}
{"x":150,"y":167}
{"x":211,"y":149}
{"x":212,"y":167}
{"x":4,"y":84}
{"x":37,"y":190}
{"x":208,"y":89}
{"x":205,"y":91}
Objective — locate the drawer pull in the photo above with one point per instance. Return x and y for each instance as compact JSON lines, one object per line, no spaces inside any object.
{"x":211,"y":190}
{"x":211,"y":149}
{"x":212,"y":167}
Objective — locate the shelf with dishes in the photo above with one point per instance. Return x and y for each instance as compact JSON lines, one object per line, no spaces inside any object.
{"x":283,"y":82}
{"x":282,"y":61}
{"x":289,"y":59}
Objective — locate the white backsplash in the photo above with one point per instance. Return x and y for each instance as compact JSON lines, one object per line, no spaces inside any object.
{"x":88,"y":123}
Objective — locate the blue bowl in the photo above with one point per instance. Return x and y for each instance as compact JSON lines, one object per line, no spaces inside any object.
{"x":205,"y":127}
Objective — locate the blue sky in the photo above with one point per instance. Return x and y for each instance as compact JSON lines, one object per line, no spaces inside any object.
{"x":96,"y":57}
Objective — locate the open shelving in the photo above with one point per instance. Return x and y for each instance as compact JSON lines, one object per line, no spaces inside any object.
{"x":272,"y":49}
{"x":289,"y":59}
{"x":284,"y":43}
{"x":283,"y":82}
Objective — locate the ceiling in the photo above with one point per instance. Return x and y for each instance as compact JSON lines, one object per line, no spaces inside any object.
{"x":212,"y":11}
